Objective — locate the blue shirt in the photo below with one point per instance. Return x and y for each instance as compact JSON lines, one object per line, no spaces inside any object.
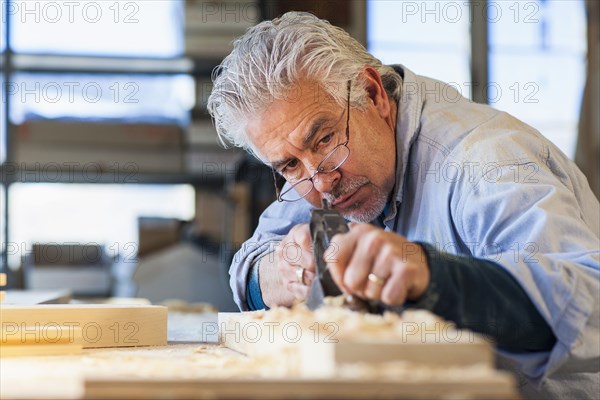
{"x":475,"y":181}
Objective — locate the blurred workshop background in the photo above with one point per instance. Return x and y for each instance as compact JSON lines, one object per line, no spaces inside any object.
{"x":113,"y":182}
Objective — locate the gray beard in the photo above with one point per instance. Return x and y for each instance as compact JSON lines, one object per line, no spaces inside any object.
{"x":365,"y":212}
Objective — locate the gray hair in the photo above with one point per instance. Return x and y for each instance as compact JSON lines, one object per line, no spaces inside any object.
{"x":271,"y":58}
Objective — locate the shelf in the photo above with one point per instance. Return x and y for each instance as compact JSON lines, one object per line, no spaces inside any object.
{"x":10,"y":63}
{"x":18,"y":175}
{"x":60,"y":64}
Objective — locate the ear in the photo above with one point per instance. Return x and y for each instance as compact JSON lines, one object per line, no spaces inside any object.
{"x":376,"y":92}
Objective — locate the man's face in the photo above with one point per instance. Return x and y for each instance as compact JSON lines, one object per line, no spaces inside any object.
{"x":292,"y":134}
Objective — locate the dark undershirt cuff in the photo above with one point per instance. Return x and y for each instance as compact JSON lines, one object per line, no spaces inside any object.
{"x":480,"y":295}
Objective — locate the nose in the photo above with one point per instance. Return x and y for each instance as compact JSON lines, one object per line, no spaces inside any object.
{"x":325,"y":182}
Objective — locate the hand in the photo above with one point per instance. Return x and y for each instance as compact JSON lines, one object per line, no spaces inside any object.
{"x":293,"y":252}
{"x":400,"y":265}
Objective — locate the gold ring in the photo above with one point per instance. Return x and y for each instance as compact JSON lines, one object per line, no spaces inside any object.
{"x":300,"y":275}
{"x":376,"y":279}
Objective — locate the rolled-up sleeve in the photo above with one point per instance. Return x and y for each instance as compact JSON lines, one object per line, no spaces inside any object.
{"x":274,"y":224}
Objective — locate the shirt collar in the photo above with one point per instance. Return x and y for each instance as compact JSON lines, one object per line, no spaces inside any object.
{"x":408,"y":116}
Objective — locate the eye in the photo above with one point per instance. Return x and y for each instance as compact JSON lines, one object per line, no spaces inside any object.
{"x":289,"y":168}
{"x":325,"y":140}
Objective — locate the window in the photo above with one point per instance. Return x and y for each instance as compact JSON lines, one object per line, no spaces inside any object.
{"x":2,"y":123}
{"x":537,"y":65}
{"x":536,"y":60}
{"x":2,"y":222}
{"x":146,"y":28}
{"x":103,"y":214}
{"x":102,"y":97}
{"x":430,"y":38}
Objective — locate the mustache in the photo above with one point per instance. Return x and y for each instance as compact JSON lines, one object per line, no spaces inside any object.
{"x":345,"y":187}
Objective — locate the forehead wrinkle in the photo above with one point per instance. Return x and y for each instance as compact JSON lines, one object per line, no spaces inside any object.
{"x":315,"y":127}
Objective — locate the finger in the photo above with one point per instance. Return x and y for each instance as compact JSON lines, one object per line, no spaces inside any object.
{"x":301,"y":235}
{"x":308,"y":260}
{"x":373,"y":289}
{"x":298,"y":250}
{"x":289,"y":274}
{"x":416,"y":260}
{"x":344,"y":246}
{"x":410,"y":275}
{"x":396,"y":288}
{"x":309,"y":276}
{"x":295,"y":256}
{"x":338,"y":255}
{"x":382,"y":268}
{"x":362,"y":261}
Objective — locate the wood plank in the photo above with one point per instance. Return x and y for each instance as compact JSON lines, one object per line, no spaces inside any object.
{"x":12,"y":335}
{"x":40,"y":350}
{"x":101,"y":325}
{"x":499,"y":387}
{"x":2,"y":279}
{"x":323,"y":359}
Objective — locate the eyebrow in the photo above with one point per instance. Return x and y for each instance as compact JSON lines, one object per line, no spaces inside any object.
{"x":315,"y":128}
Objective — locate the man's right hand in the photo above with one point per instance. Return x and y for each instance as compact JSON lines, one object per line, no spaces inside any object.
{"x":279,"y":272}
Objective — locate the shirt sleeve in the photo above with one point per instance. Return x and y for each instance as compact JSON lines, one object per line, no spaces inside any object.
{"x":535,"y":217}
{"x":274,"y":224}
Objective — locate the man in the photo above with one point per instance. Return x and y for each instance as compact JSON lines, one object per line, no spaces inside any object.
{"x":457,"y":208}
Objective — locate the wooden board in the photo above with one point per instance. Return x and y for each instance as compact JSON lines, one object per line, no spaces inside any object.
{"x":2,"y":284}
{"x":498,"y":387}
{"x":13,"y":335}
{"x":27,"y":341}
{"x":39,"y":350}
{"x":319,"y":354}
{"x":101,"y":325}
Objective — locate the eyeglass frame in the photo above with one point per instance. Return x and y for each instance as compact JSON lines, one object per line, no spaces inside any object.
{"x":319,"y":169}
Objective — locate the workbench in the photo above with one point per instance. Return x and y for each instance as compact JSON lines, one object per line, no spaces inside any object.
{"x":194,"y":365}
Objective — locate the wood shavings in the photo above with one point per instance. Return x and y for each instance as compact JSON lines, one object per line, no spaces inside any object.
{"x":410,"y":325}
{"x":203,"y":349}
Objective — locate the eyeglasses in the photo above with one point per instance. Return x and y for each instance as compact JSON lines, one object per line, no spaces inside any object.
{"x":332,"y":161}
